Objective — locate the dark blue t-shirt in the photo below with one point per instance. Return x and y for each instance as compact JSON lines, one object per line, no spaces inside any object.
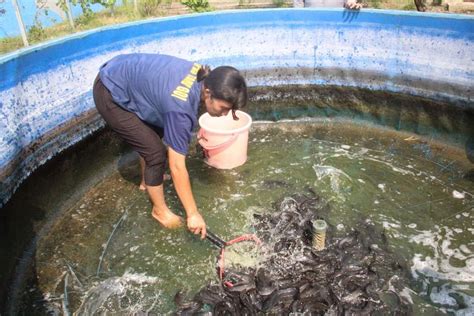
{"x":161,"y":90}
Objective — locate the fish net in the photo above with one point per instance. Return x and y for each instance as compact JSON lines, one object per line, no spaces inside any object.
{"x":240,"y":256}
{"x":355,"y":274}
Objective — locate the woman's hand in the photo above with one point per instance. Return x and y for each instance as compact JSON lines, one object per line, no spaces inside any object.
{"x":197,"y":225}
{"x":352,"y":5}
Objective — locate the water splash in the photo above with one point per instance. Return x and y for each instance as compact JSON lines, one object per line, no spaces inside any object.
{"x":339,"y":180}
{"x":131,"y":293}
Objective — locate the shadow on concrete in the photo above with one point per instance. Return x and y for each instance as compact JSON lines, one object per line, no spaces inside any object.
{"x":128,"y":166}
{"x":18,"y":231}
{"x":49,"y":192}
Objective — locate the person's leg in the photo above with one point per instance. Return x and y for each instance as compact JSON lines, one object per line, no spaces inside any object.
{"x":142,"y":169}
{"x":142,"y":186}
{"x":160,"y":210}
{"x":147,"y":143}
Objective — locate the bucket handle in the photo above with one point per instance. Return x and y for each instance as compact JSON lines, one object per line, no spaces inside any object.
{"x":202,"y":141}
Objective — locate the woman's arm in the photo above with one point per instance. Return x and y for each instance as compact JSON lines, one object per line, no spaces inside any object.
{"x":180,"y":176}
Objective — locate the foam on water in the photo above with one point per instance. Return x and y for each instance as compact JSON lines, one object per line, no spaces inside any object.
{"x":438,"y":264}
{"x":453,"y":299}
{"x":458,"y":195}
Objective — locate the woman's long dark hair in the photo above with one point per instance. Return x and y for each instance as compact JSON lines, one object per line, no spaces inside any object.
{"x":225,"y":83}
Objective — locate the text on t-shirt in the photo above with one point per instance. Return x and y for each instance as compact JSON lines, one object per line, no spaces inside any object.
{"x":182,"y":90}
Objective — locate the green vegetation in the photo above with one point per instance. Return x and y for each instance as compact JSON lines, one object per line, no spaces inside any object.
{"x":409,"y":6}
{"x":149,"y":8}
{"x":374,"y":4}
{"x":197,"y":5}
{"x":36,"y":33}
{"x":279,"y":3}
{"x":391,"y":4}
{"x":86,"y":5}
{"x":9,"y":44}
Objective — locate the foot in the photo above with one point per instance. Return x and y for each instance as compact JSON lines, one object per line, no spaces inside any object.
{"x":167,"y":218}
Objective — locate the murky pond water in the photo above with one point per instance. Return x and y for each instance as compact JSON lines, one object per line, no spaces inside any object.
{"x":107,"y":254}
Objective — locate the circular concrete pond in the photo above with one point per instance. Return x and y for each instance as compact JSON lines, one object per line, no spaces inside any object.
{"x":357,"y":109}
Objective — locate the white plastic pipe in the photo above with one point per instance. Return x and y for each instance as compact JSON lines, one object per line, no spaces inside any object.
{"x":69,"y":14}
{"x":20,"y":22}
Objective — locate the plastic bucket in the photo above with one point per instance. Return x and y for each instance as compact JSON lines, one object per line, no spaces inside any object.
{"x":224,"y":140}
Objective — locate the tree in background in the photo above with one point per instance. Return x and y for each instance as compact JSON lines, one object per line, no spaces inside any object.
{"x":420,"y":5}
{"x":86,"y":5}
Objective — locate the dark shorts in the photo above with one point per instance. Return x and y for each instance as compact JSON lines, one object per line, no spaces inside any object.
{"x":144,"y":138}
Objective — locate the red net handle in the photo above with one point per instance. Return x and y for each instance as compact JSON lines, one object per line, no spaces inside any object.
{"x":247,"y":237}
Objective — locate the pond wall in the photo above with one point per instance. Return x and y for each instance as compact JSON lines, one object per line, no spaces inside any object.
{"x":45,"y":91}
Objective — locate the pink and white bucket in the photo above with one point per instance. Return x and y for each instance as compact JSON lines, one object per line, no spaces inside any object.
{"x":224,"y":140}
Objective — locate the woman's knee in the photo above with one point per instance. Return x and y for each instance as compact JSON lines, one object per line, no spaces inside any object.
{"x":155,"y":158}
{"x":154,"y":170}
